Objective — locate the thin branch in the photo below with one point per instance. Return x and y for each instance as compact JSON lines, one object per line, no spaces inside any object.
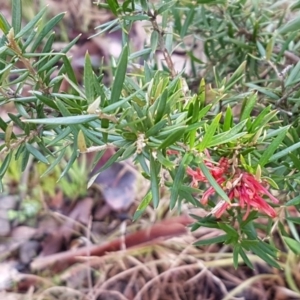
{"x":162,"y":45}
{"x":171,"y":227}
{"x":286,"y":96}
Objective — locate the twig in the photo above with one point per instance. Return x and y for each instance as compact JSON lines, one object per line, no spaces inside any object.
{"x":288,"y":54}
{"x":89,"y":274}
{"x":285,"y":97}
{"x":162,"y":45}
{"x":172,"y":227}
{"x":159,"y":277}
{"x":13,"y":45}
{"x":20,"y":141}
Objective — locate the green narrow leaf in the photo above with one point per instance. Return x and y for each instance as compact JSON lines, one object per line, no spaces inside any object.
{"x":292,"y":244}
{"x":73,"y":120}
{"x":129,"y":151}
{"x":236,"y":251}
{"x":8,"y":133}
{"x":165,"y":6}
{"x":264,"y":91}
{"x":25,"y":159}
{"x":81,"y":143}
{"x":169,"y":39}
{"x":295,"y":160}
{"x":200,"y":101}
{"x":231,"y":232}
{"x":104,"y":125}
{"x":204,"y":111}
{"x":106,"y":165}
{"x":16,"y":120}
{"x":164,"y":161}
{"x":162,"y":101}
{"x":62,"y":108}
{"x":140,"y":53}
{"x":154,"y":171}
{"x":156,"y":128}
{"x":231,"y":135}
{"x":264,"y":159}
{"x":21,"y":110}
{"x":293,"y":76}
{"x":214,"y":240}
{"x":5,"y":164}
{"x":187,"y":22}
{"x":263,"y":118}
{"x":36,"y":153}
{"x":194,"y":112}
{"x":154,"y":40}
{"x":119,"y":76}
{"x":142,"y":206}
{"x":47,"y":48}
{"x":70,"y":73}
{"x":4,"y":25}
{"x":294,"y":201}
{"x":290,"y":26}
{"x":245,"y":258}
{"x":270,"y":47}
{"x":209,"y":133}
{"x":172,"y":138}
{"x":57,"y":57}
{"x":46,"y":100}
{"x":228,"y":120}
{"x":30,"y":25}
{"x":213,"y":183}
{"x":55,"y":162}
{"x":177,"y":182}
{"x":3,"y":125}
{"x":264,"y":256}
{"x":16,"y":15}
{"x":70,"y":163}
{"x":88,"y":79}
{"x":247,"y":107}
{"x":295,"y":220}
{"x":144,"y":4}
{"x":236,"y":76}
{"x":285,"y":152}
{"x":46,"y":29}
{"x":114,"y":6}
{"x":29,"y":39}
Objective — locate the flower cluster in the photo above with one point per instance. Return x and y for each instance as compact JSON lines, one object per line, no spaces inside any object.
{"x":242,"y":188}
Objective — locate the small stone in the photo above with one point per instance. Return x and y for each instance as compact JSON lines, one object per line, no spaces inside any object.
{"x":28,"y":251}
{"x":8,"y":202}
{"x":4,"y":223}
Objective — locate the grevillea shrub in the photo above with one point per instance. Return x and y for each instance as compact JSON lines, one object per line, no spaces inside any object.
{"x":225,"y":141}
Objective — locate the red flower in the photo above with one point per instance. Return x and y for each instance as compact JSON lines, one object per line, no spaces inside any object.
{"x":243,"y":189}
{"x":197,"y":176}
{"x":217,"y":171}
{"x":210,"y":191}
{"x":248,"y":192}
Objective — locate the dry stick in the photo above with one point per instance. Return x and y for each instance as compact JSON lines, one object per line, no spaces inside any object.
{"x":288,"y":54}
{"x":89,"y":271}
{"x":111,"y":293}
{"x":127,"y":272}
{"x":57,"y":262}
{"x":157,"y":278}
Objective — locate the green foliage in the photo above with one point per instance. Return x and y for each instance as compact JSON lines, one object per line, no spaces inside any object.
{"x":148,"y":116}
